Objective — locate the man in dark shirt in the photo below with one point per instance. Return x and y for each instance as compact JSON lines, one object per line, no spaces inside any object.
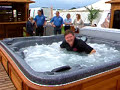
{"x":71,"y":43}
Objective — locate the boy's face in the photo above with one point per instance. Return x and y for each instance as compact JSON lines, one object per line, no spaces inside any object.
{"x":70,"y":39}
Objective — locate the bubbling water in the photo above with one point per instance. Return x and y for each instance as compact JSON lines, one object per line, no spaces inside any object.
{"x":43,"y":58}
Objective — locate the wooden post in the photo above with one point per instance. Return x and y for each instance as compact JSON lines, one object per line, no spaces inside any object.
{"x":115,"y":5}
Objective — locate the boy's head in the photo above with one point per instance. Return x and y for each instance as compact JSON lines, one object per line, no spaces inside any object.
{"x":69,"y":37}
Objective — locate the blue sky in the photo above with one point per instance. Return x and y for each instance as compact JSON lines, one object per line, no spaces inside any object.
{"x":62,"y":4}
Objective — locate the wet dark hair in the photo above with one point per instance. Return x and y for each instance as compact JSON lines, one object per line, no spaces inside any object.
{"x":68,"y":32}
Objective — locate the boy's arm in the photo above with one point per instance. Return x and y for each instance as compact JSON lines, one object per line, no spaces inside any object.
{"x":62,"y":45}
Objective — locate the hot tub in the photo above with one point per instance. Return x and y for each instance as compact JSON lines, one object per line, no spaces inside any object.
{"x":69,"y":78}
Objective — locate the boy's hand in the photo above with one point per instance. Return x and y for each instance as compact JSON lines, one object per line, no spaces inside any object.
{"x":93,"y":51}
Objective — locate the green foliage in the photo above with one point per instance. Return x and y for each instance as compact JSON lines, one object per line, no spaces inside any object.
{"x":93,"y":13}
{"x":72,"y":8}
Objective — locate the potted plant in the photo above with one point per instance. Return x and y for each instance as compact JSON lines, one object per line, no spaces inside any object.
{"x":93,"y":13}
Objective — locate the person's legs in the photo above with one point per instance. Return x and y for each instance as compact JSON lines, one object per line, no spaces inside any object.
{"x":37,"y":31}
{"x":41,"y":30}
{"x":59,"y":30}
{"x":55,"y":30}
{"x":31,"y":33}
{"x":67,"y":27}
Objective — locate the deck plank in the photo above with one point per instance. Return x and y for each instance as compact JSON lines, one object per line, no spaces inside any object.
{"x":5,"y":82}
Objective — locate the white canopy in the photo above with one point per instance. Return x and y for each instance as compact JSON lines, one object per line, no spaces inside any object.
{"x":98,"y":5}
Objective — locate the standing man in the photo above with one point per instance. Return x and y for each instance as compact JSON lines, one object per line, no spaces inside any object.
{"x":39,"y":22}
{"x":57,"y":23}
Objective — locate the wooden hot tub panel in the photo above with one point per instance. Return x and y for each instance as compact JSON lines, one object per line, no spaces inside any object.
{"x":105,"y":81}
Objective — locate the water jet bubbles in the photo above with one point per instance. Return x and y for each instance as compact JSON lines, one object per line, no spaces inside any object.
{"x":43,"y":58}
{"x":25,"y":52}
{"x":36,"y":44}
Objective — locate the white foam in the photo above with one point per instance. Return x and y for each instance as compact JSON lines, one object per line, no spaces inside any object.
{"x":43,"y":58}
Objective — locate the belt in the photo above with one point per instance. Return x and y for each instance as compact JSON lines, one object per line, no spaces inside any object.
{"x":58,"y":26}
{"x":67,"y":25}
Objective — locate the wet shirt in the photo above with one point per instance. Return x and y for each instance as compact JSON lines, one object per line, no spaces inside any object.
{"x":58,"y":21}
{"x":78,"y":46}
{"x":40,"y":20}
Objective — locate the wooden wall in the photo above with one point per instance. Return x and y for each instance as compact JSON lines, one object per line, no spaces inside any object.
{"x":11,"y":30}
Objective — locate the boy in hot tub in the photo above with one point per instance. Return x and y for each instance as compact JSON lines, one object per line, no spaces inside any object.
{"x":71,"y":43}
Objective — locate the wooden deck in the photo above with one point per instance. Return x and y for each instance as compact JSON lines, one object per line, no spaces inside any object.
{"x":5,"y":82}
